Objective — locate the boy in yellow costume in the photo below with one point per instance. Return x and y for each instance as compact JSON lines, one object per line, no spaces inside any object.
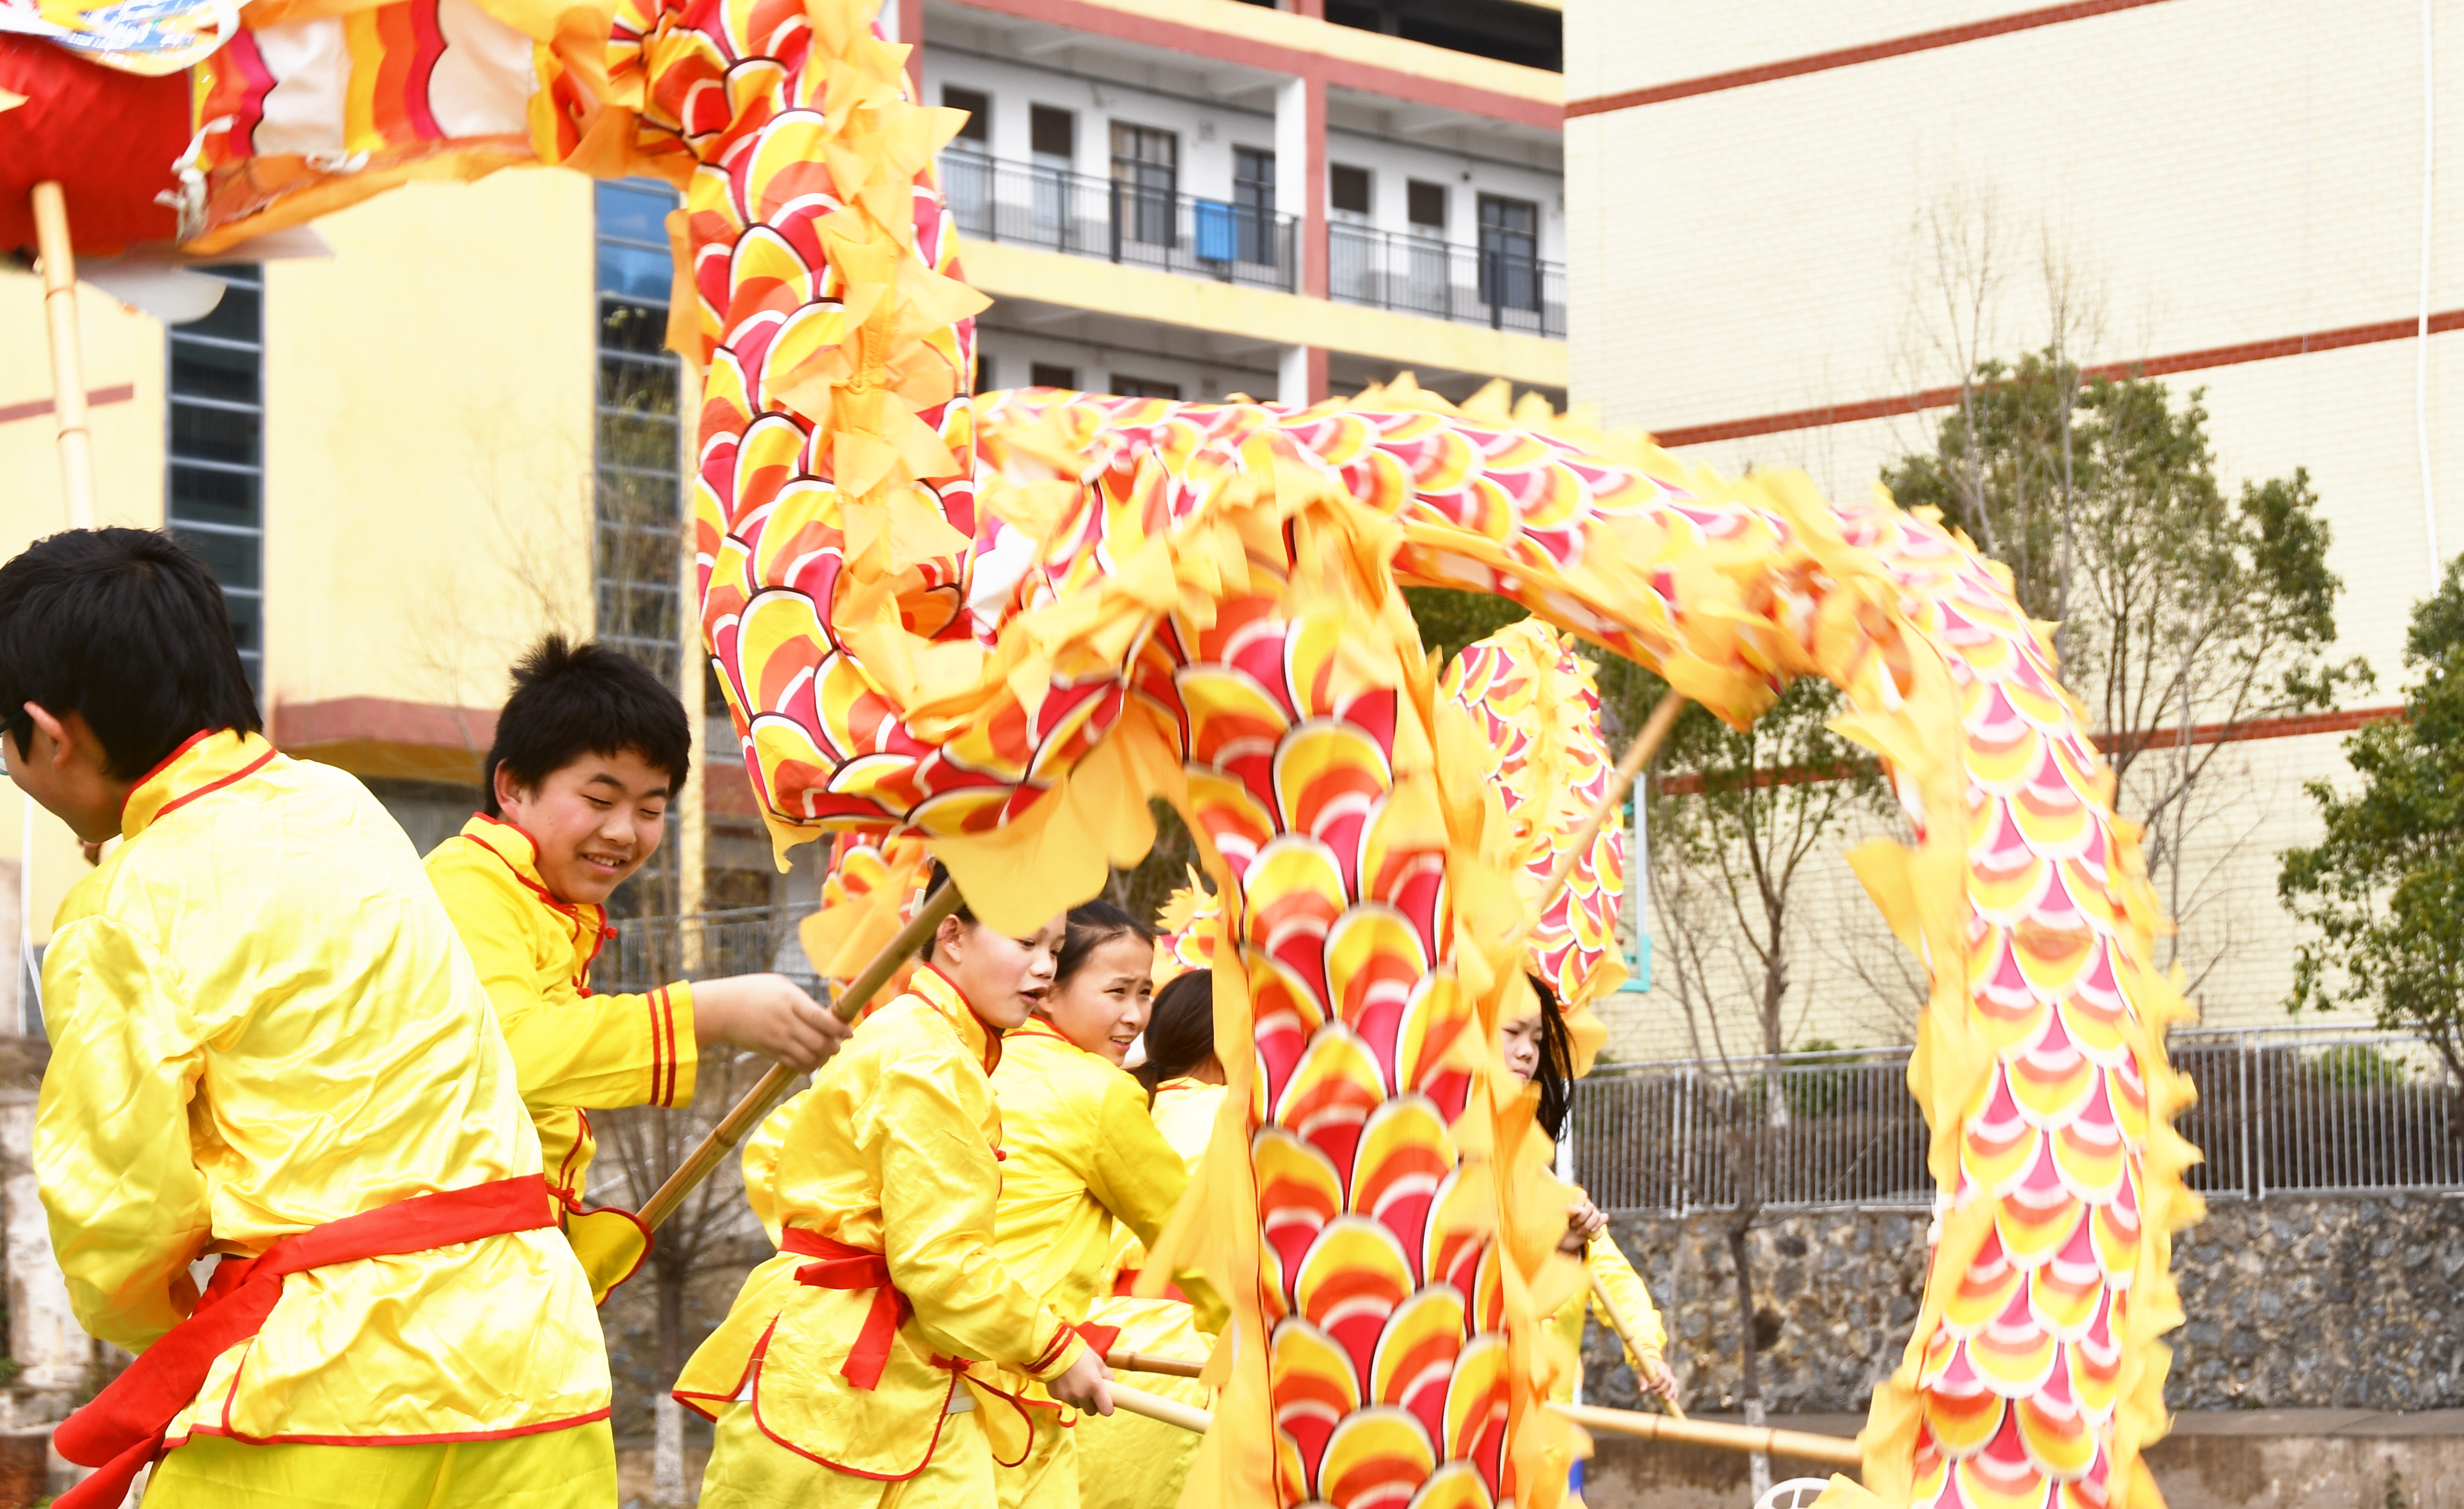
{"x":268,"y":1045}
{"x":1538,"y":1051}
{"x":587,"y":753}
{"x":843,"y":1377}
{"x":1128,"y":1462}
{"x":1082,"y":1153}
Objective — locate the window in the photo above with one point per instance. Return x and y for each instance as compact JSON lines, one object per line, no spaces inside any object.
{"x":1146,"y":183}
{"x":1425,"y":205}
{"x":1052,"y":133}
{"x":985,"y":383}
{"x":1510,"y":252}
{"x":977,"y":132}
{"x":1253,"y":204}
{"x":1347,"y":190}
{"x":966,"y":166}
{"x":1052,"y":374}
{"x":215,"y":501}
{"x":637,"y":543}
{"x":1127,"y":386}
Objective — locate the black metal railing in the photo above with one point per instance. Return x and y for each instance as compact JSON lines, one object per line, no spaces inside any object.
{"x":1423,"y":275}
{"x":1114,"y":220}
{"x":2327,"y":1110}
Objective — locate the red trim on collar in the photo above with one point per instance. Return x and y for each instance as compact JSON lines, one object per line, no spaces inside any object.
{"x":605,"y":931}
{"x":160,"y":766}
{"x":210,"y":787}
{"x":991,"y":1033}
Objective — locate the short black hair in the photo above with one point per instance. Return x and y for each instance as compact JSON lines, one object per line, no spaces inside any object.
{"x":1180,"y":1030}
{"x":571,"y":700}
{"x":127,"y":631}
{"x":1092,"y":925}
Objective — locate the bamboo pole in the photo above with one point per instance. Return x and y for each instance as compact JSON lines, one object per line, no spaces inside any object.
{"x":68,"y":370}
{"x":1831,"y":1450}
{"x":1624,"y":1329}
{"x":747,"y":1113}
{"x":1154,"y":1363}
{"x":1638,"y":755}
{"x":1156,"y":1406}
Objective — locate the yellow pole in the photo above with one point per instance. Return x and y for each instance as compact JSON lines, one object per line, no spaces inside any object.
{"x":1156,"y":1406}
{"x":1152,"y":1363}
{"x":1831,"y":1450}
{"x":1624,"y":1329}
{"x":758,"y":1100}
{"x":68,"y":375}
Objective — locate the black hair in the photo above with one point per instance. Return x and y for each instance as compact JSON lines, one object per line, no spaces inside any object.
{"x":126,"y":629}
{"x":1091,"y":925}
{"x":1556,"y":1072}
{"x":965,"y":914}
{"x":1180,"y":1031}
{"x":571,"y":700}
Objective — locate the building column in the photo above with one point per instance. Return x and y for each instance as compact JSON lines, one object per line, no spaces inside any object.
{"x":1300,"y":193}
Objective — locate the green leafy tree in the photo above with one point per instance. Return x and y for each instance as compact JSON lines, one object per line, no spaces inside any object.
{"x":2384,"y":884}
{"x":2183,"y":614}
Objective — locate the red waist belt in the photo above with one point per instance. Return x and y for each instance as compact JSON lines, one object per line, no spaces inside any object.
{"x":122,"y":1429}
{"x":845,"y":1267}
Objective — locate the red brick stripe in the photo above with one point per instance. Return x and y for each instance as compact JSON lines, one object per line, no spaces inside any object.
{"x":1225,"y":47}
{"x":2150,"y":366}
{"x":1849,"y":57}
{"x":1690,"y":783}
{"x":35,"y":408}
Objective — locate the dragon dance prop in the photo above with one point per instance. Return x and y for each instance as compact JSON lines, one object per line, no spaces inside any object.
{"x":1000,"y":624}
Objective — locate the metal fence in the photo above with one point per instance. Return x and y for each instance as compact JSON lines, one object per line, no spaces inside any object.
{"x":1060,"y":210}
{"x":650,"y":952}
{"x":1424,"y":275}
{"x":2285,"y":1109}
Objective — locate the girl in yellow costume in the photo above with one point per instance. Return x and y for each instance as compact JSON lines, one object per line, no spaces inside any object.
{"x":268,"y":1047}
{"x":1538,"y":1051}
{"x":836,"y":1379}
{"x":1128,"y":1462}
{"x":1082,"y":1151}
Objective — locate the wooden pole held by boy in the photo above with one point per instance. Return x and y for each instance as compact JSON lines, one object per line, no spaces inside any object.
{"x":759,"y":1100}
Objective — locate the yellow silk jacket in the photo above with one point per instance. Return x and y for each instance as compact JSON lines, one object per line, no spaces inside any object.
{"x":1624,"y":1285}
{"x":1082,"y":1150}
{"x":891,"y":1151}
{"x":261,"y":1021}
{"x":571,"y":1048}
{"x":1185,"y":1115}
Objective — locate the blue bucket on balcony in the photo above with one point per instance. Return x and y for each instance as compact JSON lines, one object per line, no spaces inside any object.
{"x":1215,"y":230}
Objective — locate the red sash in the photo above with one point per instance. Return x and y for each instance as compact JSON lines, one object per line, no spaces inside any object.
{"x":122,"y":1429}
{"x":845,"y":1267}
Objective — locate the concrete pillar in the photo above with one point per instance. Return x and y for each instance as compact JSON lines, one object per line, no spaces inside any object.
{"x":53,"y":1355}
{"x":1300,"y":191}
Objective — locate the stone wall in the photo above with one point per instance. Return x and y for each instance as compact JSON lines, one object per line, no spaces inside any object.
{"x":2304,"y":1301}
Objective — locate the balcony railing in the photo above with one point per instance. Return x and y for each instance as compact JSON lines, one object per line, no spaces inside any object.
{"x":1422,"y":275}
{"x":1059,"y":210}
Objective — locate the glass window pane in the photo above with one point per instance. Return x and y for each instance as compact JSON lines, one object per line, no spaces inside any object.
{"x":636,"y":271}
{"x":232,"y":558}
{"x":239,"y":316}
{"x":209,"y":496}
{"x":634,"y":329}
{"x":640,"y":385}
{"x":199,"y":370}
{"x":213,"y":434}
{"x":247,"y":614}
{"x":635,"y":212}
{"x":648,"y":442}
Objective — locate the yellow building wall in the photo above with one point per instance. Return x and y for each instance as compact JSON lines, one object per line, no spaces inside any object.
{"x":429,"y":428}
